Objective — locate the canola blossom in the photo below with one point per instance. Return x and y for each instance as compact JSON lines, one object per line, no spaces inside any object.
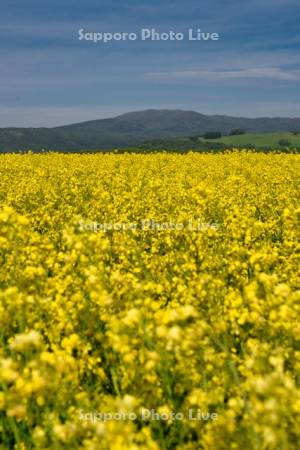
{"x":123,"y":327}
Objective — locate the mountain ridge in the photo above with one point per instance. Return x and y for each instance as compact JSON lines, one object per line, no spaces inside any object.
{"x":134,"y":128}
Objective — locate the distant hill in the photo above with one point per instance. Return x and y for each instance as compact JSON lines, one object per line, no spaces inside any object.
{"x":134,"y":129}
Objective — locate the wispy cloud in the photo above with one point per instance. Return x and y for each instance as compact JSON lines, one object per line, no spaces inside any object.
{"x":274,"y":73}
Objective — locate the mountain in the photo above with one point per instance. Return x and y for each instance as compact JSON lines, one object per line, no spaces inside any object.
{"x":134,"y":129}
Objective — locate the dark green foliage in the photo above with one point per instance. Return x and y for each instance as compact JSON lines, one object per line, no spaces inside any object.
{"x":284,"y":143}
{"x":212,"y":135}
{"x":237,"y":132}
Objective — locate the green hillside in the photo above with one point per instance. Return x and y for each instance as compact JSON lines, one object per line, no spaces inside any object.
{"x":260,"y":140}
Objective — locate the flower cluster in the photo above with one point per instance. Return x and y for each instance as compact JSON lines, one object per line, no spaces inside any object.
{"x":171,"y":320}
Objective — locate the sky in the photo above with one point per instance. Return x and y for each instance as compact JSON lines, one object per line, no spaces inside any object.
{"x":49,"y":77}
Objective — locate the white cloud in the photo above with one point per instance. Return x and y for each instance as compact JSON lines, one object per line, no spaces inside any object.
{"x":274,"y":73}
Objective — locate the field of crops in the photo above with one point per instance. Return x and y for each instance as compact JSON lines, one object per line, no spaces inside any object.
{"x":150,"y":302}
{"x":257,"y":140}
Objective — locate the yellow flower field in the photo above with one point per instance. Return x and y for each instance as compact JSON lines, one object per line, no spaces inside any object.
{"x":150,"y":301}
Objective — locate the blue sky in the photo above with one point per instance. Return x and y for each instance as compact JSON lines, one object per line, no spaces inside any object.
{"x":48,"y":77}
